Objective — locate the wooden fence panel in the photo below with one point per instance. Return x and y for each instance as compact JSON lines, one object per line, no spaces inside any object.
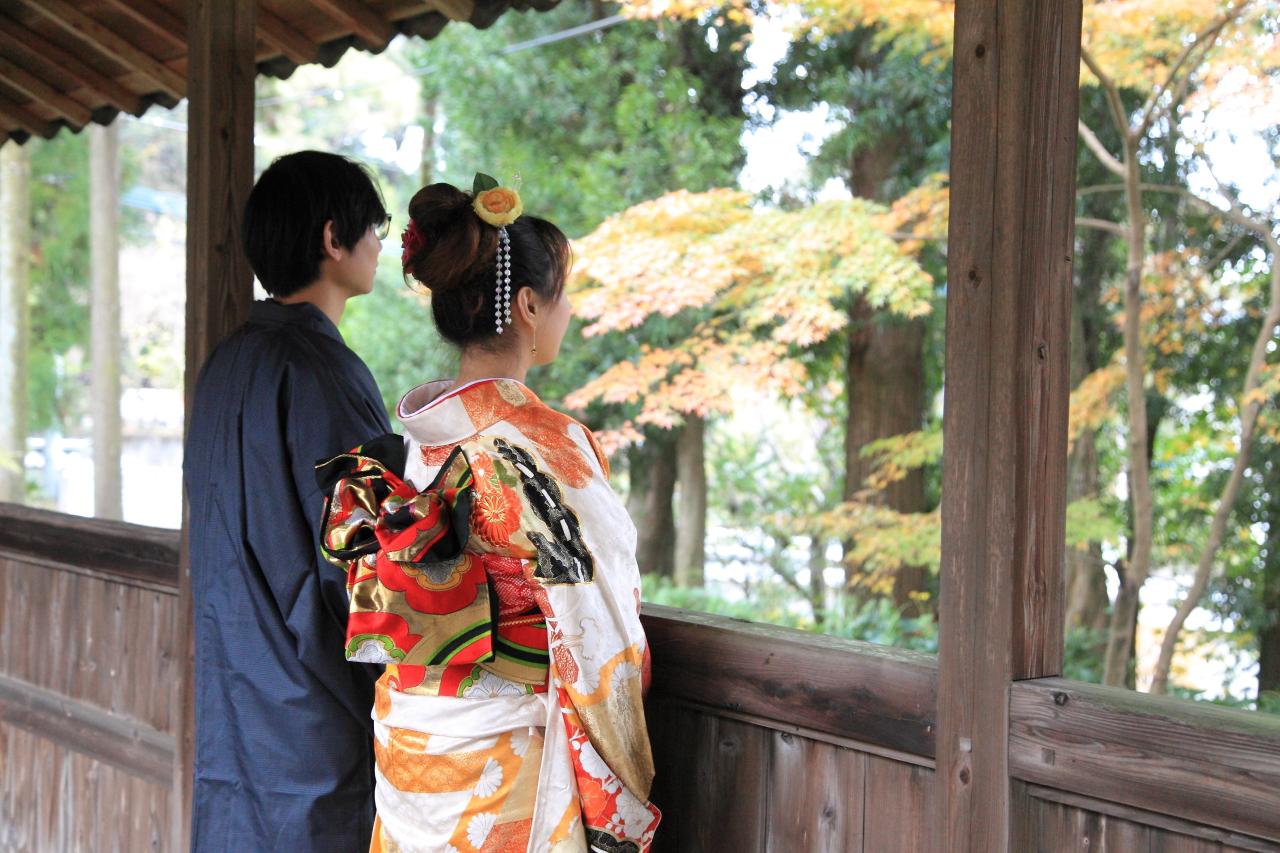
{"x":87,"y":639}
{"x":899,"y":806}
{"x":815,"y":796}
{"x":58,"y":799}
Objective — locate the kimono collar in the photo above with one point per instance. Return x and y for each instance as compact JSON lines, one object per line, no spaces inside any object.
{"x":435,"y":414}
{"x":268,"y":312}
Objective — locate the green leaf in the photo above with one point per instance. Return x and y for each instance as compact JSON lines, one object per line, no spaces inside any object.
{"x":483,"y":182}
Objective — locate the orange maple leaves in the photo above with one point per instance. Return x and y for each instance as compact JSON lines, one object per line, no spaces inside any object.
{"x":768,"y":283}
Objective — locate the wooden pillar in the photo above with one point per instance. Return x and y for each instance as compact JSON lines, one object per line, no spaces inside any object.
{"x":220,"y":77}
{"x":1013,"y":152}
{"x":105,"y":336}
{"x":15,"y":278}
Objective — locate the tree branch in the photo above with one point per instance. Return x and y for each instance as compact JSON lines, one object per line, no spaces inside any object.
{"x":1109,"y":87}
{"x":1099,"y":150}
{"x":1153,"y":110}
{"x":1102,"y":225}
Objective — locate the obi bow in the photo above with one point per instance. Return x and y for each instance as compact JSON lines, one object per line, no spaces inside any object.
{"x":417,"y":597}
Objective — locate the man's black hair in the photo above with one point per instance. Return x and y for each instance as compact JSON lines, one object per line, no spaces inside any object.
{"x":283,"y":229}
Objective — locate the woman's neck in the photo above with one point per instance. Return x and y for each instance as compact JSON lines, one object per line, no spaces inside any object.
{"x":478,"y":363}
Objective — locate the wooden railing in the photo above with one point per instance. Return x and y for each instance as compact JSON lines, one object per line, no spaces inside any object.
{"x":765,"y":738}
{"x":87,"y":679}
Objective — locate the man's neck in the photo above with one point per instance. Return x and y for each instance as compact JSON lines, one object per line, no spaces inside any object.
{"x":322,"y":294}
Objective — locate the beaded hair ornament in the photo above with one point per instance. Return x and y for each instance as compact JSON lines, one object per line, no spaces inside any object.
{"x":499,"y":206}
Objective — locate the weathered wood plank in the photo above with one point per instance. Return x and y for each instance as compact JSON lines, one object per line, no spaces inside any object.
{"x":672,"y":730}
{"x":815,"y":796}
{"x":878,"y":695}
{"x":898,"y":808}
{"x":106,"y":644}
{"x":1210,"y":765}
{"x":53,"y":798}
{"x":1014,"y":108}
{"x":118,"y":740}
{"x":1097,"y":810}
{"x":731,"y":799}
{"x":111,"y":550}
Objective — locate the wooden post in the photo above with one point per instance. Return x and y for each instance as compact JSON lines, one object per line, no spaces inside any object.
{"x":1013,"y":153}
{"x":15,"y":277}
{"x":104,"y":305}
{"x":220,"y":77}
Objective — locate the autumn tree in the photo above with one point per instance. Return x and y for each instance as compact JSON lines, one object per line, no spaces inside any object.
{"x":760,"y":286}
{"x":891,"y":114}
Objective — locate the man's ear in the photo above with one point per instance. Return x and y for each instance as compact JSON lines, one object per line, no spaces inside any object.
{"x":329,"y":243}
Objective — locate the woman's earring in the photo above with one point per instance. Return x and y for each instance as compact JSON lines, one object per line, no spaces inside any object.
{"x":534,"y":351}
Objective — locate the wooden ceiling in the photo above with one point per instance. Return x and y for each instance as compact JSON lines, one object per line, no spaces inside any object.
{"x":64,"y":63}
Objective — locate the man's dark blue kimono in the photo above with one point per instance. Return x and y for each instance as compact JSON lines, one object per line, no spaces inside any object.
{"x":284,"y":755}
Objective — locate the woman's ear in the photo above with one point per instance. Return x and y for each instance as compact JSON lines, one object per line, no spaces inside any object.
{"x":525,"y":305}
{"x":329,"y":243}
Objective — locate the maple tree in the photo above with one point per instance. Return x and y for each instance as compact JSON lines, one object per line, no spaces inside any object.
{"x":769,"y":281}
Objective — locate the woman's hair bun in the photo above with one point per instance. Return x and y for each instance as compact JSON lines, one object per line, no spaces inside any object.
{"x":455,"y":255}
{"x":454,"y":240}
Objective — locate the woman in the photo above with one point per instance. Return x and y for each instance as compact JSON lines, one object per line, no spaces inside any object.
{"x":493,"y":569}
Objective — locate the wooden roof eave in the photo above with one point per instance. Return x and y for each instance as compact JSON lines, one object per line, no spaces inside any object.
{"x":53,"y":52}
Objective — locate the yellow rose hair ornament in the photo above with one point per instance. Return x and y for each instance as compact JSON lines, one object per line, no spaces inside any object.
{"x":499,"y":206}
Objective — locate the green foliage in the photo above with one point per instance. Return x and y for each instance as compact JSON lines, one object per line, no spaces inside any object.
{"x":1090,"y":521}
{"x":392,"y":330}
{"x":874,"y":620}
{"x":593,"y":124}
{"x":874,"y":94}
{"x":59,"y":293}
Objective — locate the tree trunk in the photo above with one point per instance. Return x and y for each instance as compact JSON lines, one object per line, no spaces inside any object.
{"x":637,"y":483}
{"x":884,"y":385}
{"x":1269,"y":635}
{"x":655,"y":542}
{"x":430,"y":109}
{"x":1120,"y":646}
{"x":691,"y":527}
{"x":1085,"y":581}
{"x":105,"y":345}
{"x":884,"y":380}
{"x":15,"y":275}
{"x":817,"y":584}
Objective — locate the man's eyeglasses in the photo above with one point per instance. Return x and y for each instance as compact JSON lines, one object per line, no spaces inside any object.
{"x":383,"y":228}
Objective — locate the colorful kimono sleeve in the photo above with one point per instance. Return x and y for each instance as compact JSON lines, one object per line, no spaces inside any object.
{"x":578,"y":547}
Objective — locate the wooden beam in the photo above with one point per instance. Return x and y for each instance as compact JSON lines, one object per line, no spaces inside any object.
{"x":111,"y":550}
{"x":284,"y":38}
{"x":75,"y":113}
{"x":879,"y":696}
{"x":96,"y":34}
{"x":220,"y":71}
{"x":1013,"y":151}
{"x":123,"y":742}
{"x":156,"y":18}
{"x":33,"y":45}
{"x":18,"y":115}
{"x":1194,"y":761}
{"x":454,"y":10}
{"x":372,"y":29}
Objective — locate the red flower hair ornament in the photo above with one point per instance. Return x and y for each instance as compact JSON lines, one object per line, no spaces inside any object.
{"x":411,"y":243}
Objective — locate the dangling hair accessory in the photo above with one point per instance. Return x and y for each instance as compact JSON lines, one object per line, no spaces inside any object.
{"x":499,"y":206}
{"x":502,"y":297}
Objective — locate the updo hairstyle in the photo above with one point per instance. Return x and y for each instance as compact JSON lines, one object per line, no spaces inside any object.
{"x":457,"y":262}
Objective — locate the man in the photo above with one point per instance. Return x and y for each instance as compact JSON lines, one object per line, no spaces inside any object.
{"x":283,"y":736}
